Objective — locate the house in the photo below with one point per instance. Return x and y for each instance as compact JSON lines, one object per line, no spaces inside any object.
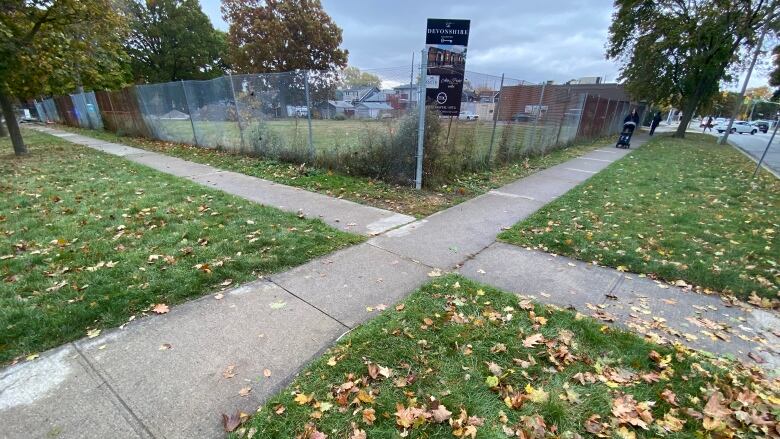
{"x":355,"y":95}
{"x":373,"y":110}
{"x":331,"y":108}
{"x":406,"y":95}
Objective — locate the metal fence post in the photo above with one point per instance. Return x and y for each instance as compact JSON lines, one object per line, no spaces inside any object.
{"x":308,"y":111}
{"x":496,"y":108}
{"x":539,"y":112}
{"x":579,"y":119}
{"x":238,"y":113}
{"x":189,"y":110}
{"x":421,"y":121}
{"x":411,"y":82}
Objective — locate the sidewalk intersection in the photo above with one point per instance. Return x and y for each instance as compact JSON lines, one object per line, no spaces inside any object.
{"x":163,"y":376}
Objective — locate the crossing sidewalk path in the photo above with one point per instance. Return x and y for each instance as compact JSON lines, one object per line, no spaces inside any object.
{"x":170,"y":376}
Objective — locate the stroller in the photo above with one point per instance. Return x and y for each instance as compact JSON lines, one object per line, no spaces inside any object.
{"x":624,"y":141}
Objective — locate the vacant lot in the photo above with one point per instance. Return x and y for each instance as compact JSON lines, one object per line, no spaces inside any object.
{"x":403,"y":199}
{"x":685,"y":211}
{"x":89,"y":240}
{"x":458,"y":359}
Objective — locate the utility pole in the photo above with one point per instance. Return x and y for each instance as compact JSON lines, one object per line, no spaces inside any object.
{"x":764,"y":30}
{"x":766,"y":150}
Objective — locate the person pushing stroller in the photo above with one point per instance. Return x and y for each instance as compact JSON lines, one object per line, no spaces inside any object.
{"x":629,"y":125}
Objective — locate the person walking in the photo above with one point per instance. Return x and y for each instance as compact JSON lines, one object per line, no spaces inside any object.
{"x":708,"y":125}
{"x":655,"y":122}
{"x":631,"y":122}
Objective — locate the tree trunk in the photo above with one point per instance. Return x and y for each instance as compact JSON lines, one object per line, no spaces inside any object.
{"x":688,"y":110}
{"x":3,"y":131}
{"x":10,"y":120}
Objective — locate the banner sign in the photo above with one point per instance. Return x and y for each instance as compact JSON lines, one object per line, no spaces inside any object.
{"x":446,"y":41}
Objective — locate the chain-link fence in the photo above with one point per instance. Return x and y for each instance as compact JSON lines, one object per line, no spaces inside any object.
{"x":367,"y":126}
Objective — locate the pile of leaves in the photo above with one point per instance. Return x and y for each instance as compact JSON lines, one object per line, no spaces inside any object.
{"x":458,"y":359}
{"x":686,"y":211}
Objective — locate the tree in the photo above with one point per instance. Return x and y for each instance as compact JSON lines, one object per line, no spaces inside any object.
{"x":54,"y":46}
{"x":774,"y":75}
{"x":172,"y":40}
{"x":281,"y":36}
{"x":677,"y":52}
{"x":353,"y":77}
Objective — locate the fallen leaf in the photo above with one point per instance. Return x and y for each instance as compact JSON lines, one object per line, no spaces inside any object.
{"x":369,"y":416}
{"x":303,"y":399}
{"x":231,"y":422}
{"x":92,"y":333}
{"x":219,"y":296}
{"x":165,"y":347}
{"x":533,"y":340}
{"x":160,"y":308}
{"x":267,"y":373}
{"x":229,"y":371}
{"x":244,"y":391}
{"x":441,"y":414}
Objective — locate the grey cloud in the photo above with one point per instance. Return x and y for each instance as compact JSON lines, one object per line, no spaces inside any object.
{"x":534,"y":41}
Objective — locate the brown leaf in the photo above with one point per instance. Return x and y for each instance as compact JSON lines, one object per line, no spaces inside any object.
{"x":160,"y":308}
{"x":373,"y":370}
{"x":715,"y":409}
{"x":495,"y":369}
{"x":441,"y":414}
{"x":669,"y":397}
{"x":369,"y":416}
{"x":533,"y":340}
{"x":244,"y":391}
{"x":229,"y":371}
{"x":498,"y":348}
{"x":231,"y":422}
{"x":267,"y":373}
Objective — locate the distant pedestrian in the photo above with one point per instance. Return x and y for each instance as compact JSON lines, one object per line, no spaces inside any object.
{"x":708,"y":124}
{"x":655,"y":122}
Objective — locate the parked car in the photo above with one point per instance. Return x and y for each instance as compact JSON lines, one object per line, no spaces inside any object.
{"x":467,"y":115}
{"x":762,"y":125}
{"x":739,"y":126}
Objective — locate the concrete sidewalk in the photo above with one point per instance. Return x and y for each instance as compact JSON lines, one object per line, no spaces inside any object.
{"x":341,"y":214}
{"x":164,"y":376}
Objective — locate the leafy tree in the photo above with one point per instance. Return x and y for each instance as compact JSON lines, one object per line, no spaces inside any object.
{"x":281,"y":36}
{"x":353,"y":77}
{"x":172,"y":40}
{"x":54,"y":46}
{"x":677,"y":52}
{"x":774,"y":75}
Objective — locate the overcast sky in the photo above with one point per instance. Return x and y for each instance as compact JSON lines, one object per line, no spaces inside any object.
{"x":534,"y":41}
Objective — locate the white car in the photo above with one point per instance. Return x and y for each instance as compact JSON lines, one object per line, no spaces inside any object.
{"x":466,"y":115}
{"x":738,"y":126}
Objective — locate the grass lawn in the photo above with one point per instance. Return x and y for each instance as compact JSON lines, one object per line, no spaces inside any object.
{"x":88,"y":240}
{"x":682,"y":210}
{"x":401,"y":199}
{"x":457,"y":359}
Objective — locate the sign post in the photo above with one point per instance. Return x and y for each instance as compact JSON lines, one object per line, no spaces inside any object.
{"x":446,"y":42}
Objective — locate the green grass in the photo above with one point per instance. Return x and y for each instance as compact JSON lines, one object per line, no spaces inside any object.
{"x":462,"y":344}
{"x":675,"y":209}
{"x":88,"y":240}
{"x":397,"y":198}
